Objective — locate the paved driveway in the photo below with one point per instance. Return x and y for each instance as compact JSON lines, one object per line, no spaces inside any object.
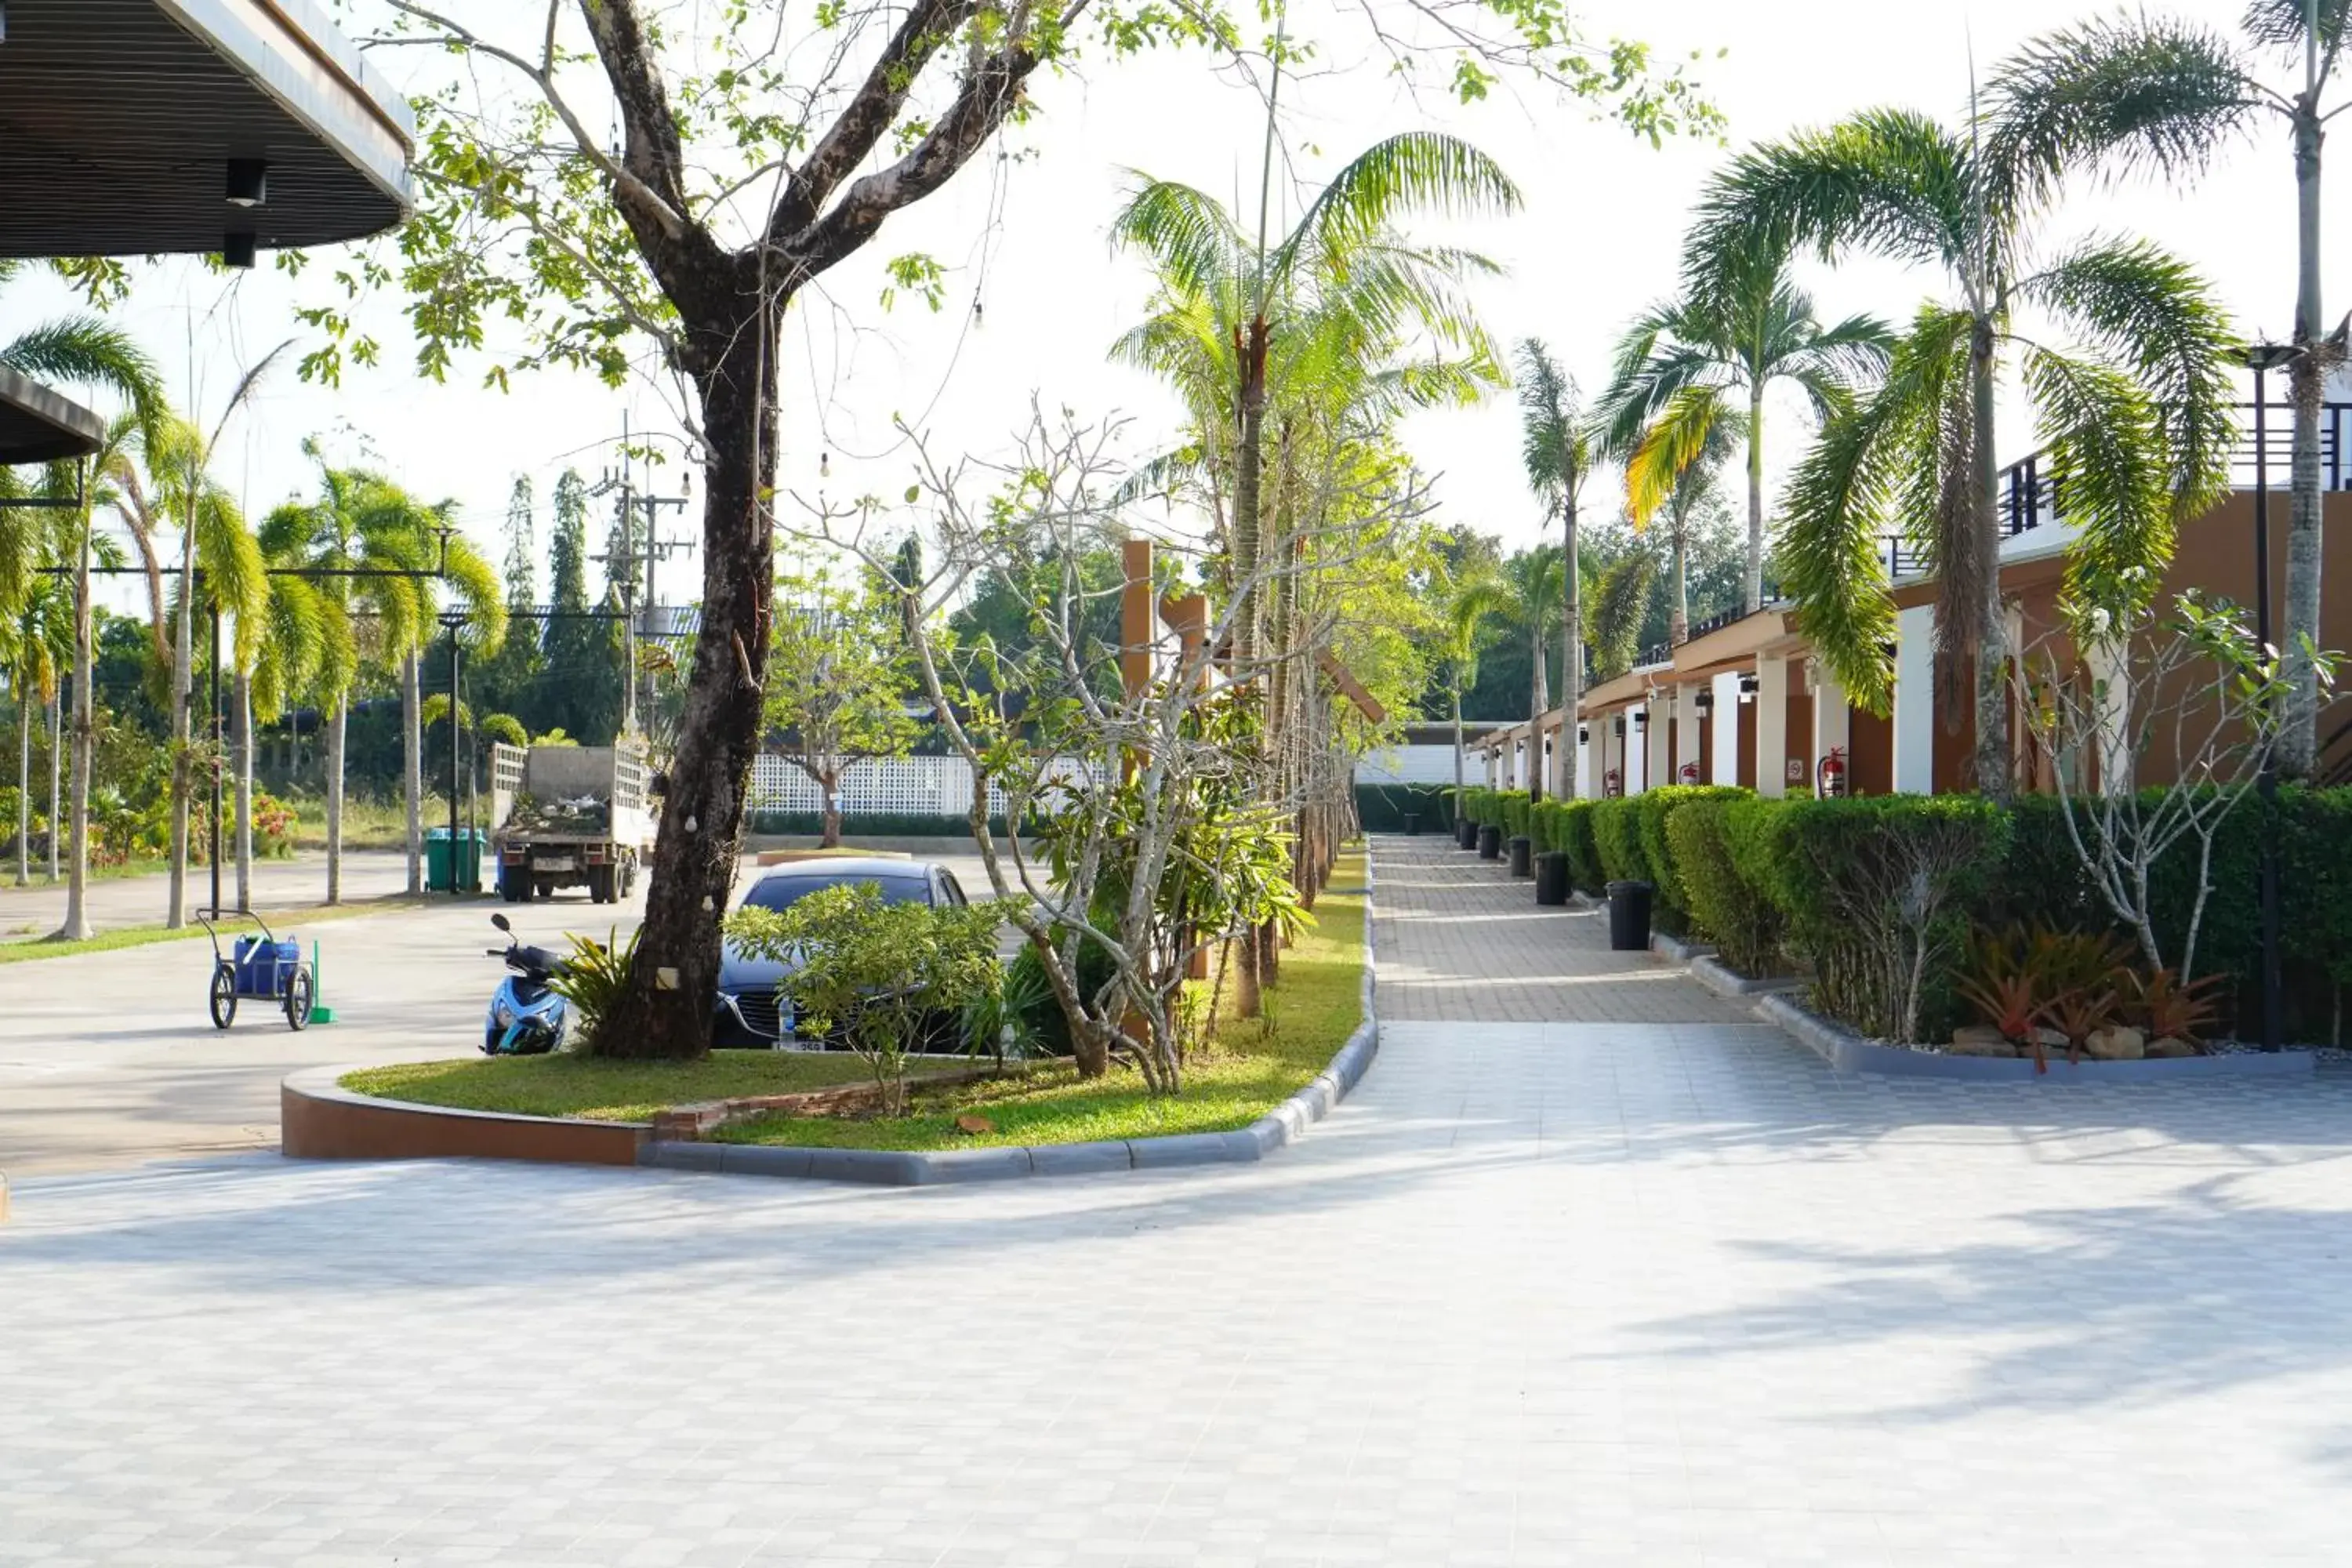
{"x":1541,"y":1293}
{"x":108,"y":1058}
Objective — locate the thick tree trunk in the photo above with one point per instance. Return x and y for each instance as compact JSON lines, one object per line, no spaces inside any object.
{"x":242,"y":714}
{"x":1571,"y":651}
{"x":1994,"y":770}
{"x":1754,"y":581}
{"x":665,"y":1011}
{"x":335,"y":725}
{"x":412,"y":769}
{"x":829,"y":804}
{"x":2298,"y":747}
{"x":76,"y":926}
{"x":1538,"y":703}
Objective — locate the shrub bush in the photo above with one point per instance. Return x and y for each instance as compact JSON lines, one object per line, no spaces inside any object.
{"x":1617,"y":840}
{"x":1741,"y":921}
{"x":1670,"y":908}
{"x":1382,"y":808}
{"x":1879,"y":893}
{"x":1566,"y":826}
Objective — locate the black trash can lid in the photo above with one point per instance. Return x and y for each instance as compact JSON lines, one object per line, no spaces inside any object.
{"x":1617,"y":888}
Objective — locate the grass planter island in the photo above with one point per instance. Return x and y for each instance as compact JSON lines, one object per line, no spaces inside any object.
{"x":1248,"y":1088}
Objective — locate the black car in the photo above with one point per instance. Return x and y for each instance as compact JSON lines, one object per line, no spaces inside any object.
{"x":752,"y":1016}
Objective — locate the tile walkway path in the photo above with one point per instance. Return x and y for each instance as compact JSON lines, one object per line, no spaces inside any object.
{"x":1543,"y":1293}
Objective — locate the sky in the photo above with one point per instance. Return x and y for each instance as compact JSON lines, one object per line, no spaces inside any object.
{"x":1034,"y":296}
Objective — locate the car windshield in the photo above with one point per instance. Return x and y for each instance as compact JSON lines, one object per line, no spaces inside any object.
{"x":782,"y":892}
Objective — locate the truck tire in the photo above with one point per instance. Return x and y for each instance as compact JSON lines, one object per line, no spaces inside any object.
{"x":600,"y":885}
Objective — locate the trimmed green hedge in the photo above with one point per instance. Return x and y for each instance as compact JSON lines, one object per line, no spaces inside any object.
{"x":1670,"y":908}
{"x":1566,"y":826}
{"x":1738,"y":916}
{"x":1783,"y":884}
{"x":1382,"y":808}
{"x":1617,"y":839}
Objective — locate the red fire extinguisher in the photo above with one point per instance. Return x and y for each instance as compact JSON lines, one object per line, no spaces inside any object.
{"x":1832,"y":774}
{"x":1690,"y":772}
{"x":1613,"y":783}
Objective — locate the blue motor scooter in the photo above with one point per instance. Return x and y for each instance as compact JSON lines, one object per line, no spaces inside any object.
{"x":527,"y":1016}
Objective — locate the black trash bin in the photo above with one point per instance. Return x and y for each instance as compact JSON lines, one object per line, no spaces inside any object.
{"x":1523,"y":856}
{"x":1466,"y":834}
{"x":1629,"y":916}
{"x":1490,"y":842}
{"x":1551,"y":876}
{"x":1413,"y":825}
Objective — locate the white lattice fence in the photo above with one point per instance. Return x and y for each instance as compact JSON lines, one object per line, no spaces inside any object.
{"x":893,"y":786}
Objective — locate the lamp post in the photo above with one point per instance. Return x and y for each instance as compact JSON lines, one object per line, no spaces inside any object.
{"x":2264,"y":358}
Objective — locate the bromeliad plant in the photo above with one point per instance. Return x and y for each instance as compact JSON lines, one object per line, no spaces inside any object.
{"x":592,"y":979}
{"x":880,"y":977}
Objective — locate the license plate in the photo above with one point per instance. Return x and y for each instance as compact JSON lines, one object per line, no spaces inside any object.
{"x":562,"y":863}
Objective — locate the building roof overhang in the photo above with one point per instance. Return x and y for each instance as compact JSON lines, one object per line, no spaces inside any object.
{"x":37,"y":426}
{"x":117,"y":120}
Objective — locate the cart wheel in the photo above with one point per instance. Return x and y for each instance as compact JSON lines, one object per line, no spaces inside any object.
{"x":298,"y":1001}
{"x":224,"y":996}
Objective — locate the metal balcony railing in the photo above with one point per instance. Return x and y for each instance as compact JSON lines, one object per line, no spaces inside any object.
{"x":2029,"y":495}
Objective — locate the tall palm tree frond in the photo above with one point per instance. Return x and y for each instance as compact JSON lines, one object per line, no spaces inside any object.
{"x":91,"y":353}
{"x":1188,"y":234}
{"x":1887,"y":181}
{"x":2150,"y":313}
{"x":1418,"y":171}
{"x":2137,"y":93}
{"x":1689,"y":438}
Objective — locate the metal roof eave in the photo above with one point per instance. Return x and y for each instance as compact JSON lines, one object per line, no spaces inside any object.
{"x":39,"y":425}
{"x":289,"y":50}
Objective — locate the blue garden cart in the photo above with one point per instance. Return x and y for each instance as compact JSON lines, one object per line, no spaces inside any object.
{"x":261,"y":969}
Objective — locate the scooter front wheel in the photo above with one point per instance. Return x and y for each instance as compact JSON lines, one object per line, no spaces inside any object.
{"x":224,"y":996}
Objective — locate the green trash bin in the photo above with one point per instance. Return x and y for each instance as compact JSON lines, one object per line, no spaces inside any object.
{"x":465,"y":848}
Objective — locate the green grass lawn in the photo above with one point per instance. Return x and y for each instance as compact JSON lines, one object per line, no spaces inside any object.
{"x":599,"y":1091}
{"x":1244,"y":1072}
{"x":1247,"y":1070}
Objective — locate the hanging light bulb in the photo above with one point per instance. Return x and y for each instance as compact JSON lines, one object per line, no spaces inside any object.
{"x":979,"y":316}
{"x":824,"y":464}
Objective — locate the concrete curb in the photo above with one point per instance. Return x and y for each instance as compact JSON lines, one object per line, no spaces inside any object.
{"x":1848,"y":1052}
{"x":1725,"y":981}
{"x":1279,"y":1127}
{"x":1674,"y":949}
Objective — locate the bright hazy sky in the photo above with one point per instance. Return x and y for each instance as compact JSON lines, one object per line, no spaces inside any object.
{"x":1025,"y":237}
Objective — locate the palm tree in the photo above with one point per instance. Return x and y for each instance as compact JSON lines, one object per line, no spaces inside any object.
{"x":1215,"y":334}
{"x":220,"y":570}
{"x":34,"y":643}
{"x":1556,"y":451}
{"x":2134,"y":416}
{"x":363,"y":523}
{"x":1528,"y":594}
{"x":1677,"y":472}
{"x":1467,"y":607}
{"x":2136,"y":92}
{"x":90,"y":485}
{"x":1680,"y":367}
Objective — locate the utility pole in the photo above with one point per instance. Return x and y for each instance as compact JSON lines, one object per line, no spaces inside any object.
{"x":623,"y":566}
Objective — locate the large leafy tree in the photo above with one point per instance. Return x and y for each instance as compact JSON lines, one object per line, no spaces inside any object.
{"x":2132,"y":410}
{"x":2144,"y":92}
{"x":1689,"y":366}
{"x":838,"y":683}
{"x":610,"y":177}
{"x":1557,"y":449}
